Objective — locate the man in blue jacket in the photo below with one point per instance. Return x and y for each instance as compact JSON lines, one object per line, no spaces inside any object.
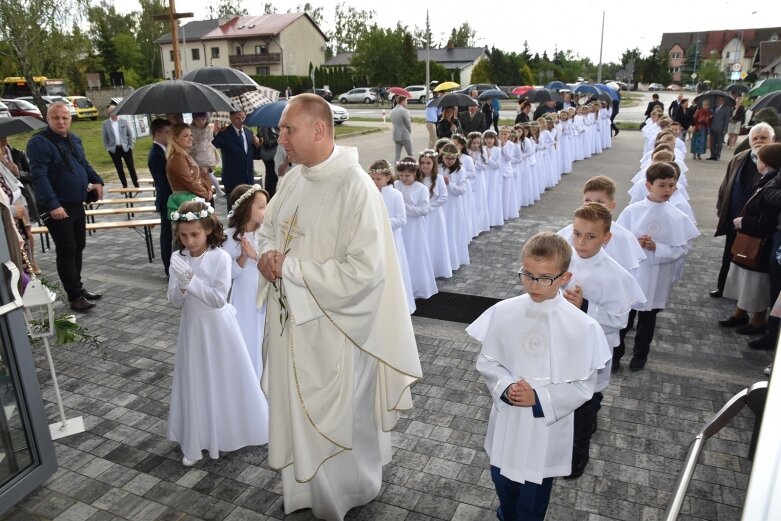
{"x":161,"y":132}
{"x":61,"y":177}
{"x":239,"y":147}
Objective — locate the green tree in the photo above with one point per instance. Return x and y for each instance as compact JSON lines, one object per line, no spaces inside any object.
{"x":147,"y":31}
{"x":527,"y":76}
{"x":349,"y":26}
{"x":656,"y":67}
{"x":226,"y":9}
{"x":105,"y":25}
{"x":315,"y":13}
{"x":463,"y":36}
{"x":481,"y":73}
{"x":31,"y":29}
{"x":384,"y":56}
{"x":709,"y":71}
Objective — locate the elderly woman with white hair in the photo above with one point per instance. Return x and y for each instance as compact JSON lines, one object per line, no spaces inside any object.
{"x":739,"y":182}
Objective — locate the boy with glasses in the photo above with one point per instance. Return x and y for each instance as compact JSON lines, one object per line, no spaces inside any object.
{"x":539,"y":359}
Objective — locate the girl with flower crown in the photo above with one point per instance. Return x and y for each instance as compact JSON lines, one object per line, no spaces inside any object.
{"x":248,"y":207}
{"x":454,"y":177}
{"x":216,"y":402}
{"x":435,"y":220}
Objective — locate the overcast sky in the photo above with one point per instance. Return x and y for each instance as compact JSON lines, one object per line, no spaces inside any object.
{"x":567,"y":24}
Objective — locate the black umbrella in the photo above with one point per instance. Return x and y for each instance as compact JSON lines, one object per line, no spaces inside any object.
{"x":542,"y":95}
{"x":223,"y":79}
{"x":492,"y":93}
{"x":711,"y":96}
{"x":174,"y":96}
{"x":11,"y":126}
{"x":453,"y":99}
{"x":772,"y":99}
{"x":737,"y":87}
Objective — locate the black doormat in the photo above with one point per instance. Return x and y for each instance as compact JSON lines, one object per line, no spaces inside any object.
{"x":453,"y":307}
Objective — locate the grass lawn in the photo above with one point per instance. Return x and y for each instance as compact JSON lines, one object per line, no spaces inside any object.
{"x":90,"y":134}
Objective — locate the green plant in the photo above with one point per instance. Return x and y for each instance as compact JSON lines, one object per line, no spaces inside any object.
{"x":66,"y":329}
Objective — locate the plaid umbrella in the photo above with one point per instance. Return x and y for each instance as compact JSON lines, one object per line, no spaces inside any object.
{"x":248,"y":101}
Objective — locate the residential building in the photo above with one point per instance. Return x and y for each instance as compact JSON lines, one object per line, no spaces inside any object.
{"x":459,"y":61}
{"x":270,"y":44}
{"x":736,"y":50}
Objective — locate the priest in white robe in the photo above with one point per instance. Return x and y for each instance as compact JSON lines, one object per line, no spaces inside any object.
{"x":339,"y":350}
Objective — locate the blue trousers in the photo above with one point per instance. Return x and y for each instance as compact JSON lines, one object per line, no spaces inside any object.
{"x":521,"y":501}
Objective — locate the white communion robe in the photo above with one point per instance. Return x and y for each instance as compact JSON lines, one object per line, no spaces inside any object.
{"x":623,"y":246}
{"x":673,"y":232}
{"x":611,"y":291}
{"x":394,"y":203}
{"x":339,"y":368}
{"x":557,"y":349}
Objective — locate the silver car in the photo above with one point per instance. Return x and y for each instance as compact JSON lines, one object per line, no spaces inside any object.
{"x":340,"y":114}
{"x":360,"y":95}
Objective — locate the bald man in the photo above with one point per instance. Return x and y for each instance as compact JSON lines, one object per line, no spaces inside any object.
{"x":339,"y":352}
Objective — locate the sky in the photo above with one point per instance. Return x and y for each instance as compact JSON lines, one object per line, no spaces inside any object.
{"x":568,"y":24}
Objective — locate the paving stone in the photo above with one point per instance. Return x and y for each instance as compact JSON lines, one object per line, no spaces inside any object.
{"x":124,"y":467}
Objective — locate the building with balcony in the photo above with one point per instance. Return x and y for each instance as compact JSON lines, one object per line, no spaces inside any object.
{"x":735,"y":50}
{"x":270,"y":44}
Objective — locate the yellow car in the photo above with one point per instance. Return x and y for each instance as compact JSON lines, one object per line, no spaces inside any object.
{"x":84,"y":107}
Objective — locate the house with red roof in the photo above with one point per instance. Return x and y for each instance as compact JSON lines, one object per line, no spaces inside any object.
{"x":270,"y":44}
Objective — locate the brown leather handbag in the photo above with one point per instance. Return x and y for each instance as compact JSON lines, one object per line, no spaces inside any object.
{"x":746,"y":250}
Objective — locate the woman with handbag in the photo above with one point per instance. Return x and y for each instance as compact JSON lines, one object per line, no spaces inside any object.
{"x":748,"y":277}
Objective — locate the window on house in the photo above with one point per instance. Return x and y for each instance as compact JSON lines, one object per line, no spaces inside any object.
{"x":262,"y":71}
{"x":261,"y":49}
{"x":171,"y":55}
{"x":215,"y":52}
{"x":675,"y":56}
{"x":238,"y":51}
{"x":196,"y":54}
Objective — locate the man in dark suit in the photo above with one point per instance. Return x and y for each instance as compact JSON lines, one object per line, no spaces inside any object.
{"x":654,"y":103}
{"x":673,"y":109}
{"x":472,"y":120}
{"x":239,"y":147}
{"x":718,"y":127}
{"x":161,"y":132}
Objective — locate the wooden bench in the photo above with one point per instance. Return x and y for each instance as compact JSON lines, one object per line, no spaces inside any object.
{"x":124,"y":200}
{"x":131,"y":191}
{"x":145,"y":224}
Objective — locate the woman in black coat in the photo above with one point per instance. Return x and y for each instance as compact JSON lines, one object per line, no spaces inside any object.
{"x":684,"y":116}
{"x":448,"y":124}
{"x":758,"y":219}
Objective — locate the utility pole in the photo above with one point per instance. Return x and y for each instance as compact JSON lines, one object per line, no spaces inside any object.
{"x":601,"y":41}
{"x":172,"y":18}
{"x":428,"y":57}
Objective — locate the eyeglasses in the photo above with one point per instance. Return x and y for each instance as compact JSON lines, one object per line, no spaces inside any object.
{"x":546,"y":282}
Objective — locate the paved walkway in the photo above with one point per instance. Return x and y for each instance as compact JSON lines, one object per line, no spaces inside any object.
{"x":124,"y":468}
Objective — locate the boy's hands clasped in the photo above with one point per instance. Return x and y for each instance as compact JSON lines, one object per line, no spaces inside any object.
{"x":520,"y":394}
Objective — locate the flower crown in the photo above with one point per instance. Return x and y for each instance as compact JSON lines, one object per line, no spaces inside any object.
{"x":429,"y":152}
{"x":246,"y":195}
{"x":406,"y":163}
{"x":450,"y":155}
{"x":385,"y":170}
{"x":193,"y":216}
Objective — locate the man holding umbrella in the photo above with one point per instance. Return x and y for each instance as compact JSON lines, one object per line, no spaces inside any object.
{"x":718,"y":127}
{"x":239,"y":146}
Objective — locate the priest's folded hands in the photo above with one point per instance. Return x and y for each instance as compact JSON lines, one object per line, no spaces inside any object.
{"x":270,"y":265}
{"x":520,"y":394}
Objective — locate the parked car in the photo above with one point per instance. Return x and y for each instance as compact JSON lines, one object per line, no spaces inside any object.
{"x":18,"y":107}
{"x":479,"y":87}
{"x":51,"y":99}
{"x":419,"y":93}
{"x":326,"y":94}
{"x":673,"y":86}
{"x":655,"y":86}
{"x":340,"y":114}
{"x":360,"y":95}
{"x":4,"y":113}
{"x":84,"y":107}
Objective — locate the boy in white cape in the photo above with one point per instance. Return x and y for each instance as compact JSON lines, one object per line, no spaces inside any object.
{"x":539,"y":359}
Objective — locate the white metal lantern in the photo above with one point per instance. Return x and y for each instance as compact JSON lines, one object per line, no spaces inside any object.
{"x":38,"y":303}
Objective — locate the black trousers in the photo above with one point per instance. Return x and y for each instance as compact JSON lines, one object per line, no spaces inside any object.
{"x":646,"y":324}
{"x":166,"y":240}
{"x":585,"y":420}
{"x":726,"y":257}
{"x":117,"y":156}
{"x":496,"y":121}
{"x":270,"y":181}
{"x":716,"y":142}
{"x":70,"y":238}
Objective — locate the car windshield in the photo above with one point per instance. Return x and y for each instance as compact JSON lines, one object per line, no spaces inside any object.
{"x":83,"y":103}
{"x":25,"y":105}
